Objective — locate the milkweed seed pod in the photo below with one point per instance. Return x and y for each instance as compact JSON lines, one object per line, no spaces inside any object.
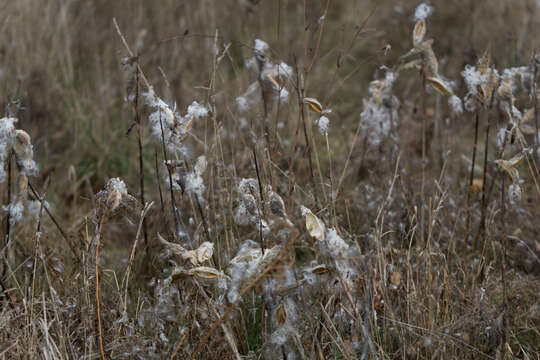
{"x":314,"y":226}
{"x":207,"y":273}
{"x":419,"y":32}
{"x":281,"y":314}
{"x":22,"y":183}
{"x":196,"y":257}
{"x":114,"y":199}
{"x":129,"y":67}
{"x":313,"y":104}
{"x":276,"y":205}
{"x":440,"y":85}
{"x":251,"y":204}
{"x":24,"y":153}
{"x":431,"y":64}
{"x":504,"y":92}
{"x":484,"y":62}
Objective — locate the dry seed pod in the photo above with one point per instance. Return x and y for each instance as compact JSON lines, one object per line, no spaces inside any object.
{"x":114,"y":199}
{"x":506,"y":166}
{"x":250,"y":204}
{"x":195,"y":257}
{"x":270,"y":77}
{"x":281,"y":314}
{"x":207,"y":273}
{"x":177,"y":249}
{"x":528,"y":116}
{"x":419,"y":32}
{"x":314,"y":226}
{"x":247,"y":256}
{"x":314,"y":104}
{"x":416,"y":64}
{"x":276,"y":204}
{"x":23,"y":184}
{"x":517,"y":159}
{"x":440,"y":86}
{"x":484,"y":62}
{"x":320,"y":270}
{"x":200,"y":165}
{"x":504,"y":93}
{"x":204,"y":252}
{"x":431,"y":64}
{"x":23,"y":145}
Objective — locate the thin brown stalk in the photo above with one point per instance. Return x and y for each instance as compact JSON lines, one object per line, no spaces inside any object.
{"x":422,"y":189}
{"x":503,"y":241}
{"x":261,"y":193}
{"x":471,"y":178}
{"x":482,"y":225}
{"x":535,"y":99}
{"x":98,"y":305}
{"x":141,"y":162}
{"x":158,"y":180}
{"x":173,"y":202}
{"x":8,"y":217}
{"x":55,"y":222}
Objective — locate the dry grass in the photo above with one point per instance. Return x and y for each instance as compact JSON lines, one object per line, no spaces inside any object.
{"x":262,"y":231}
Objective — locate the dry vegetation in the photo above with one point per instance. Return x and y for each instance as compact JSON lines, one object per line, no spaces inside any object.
{"x":269,"y":179}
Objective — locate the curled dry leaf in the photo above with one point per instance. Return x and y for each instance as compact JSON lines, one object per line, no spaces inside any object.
{"x":314,"y":104}
{"x":419,"y":32}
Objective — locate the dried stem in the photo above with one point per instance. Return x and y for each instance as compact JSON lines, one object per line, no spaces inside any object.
{"x":173,"y":202}
{"x":422,"y":189}
{"x":141,"y":163}
{"x":471,"y":178}
{"x":98,"y":305}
